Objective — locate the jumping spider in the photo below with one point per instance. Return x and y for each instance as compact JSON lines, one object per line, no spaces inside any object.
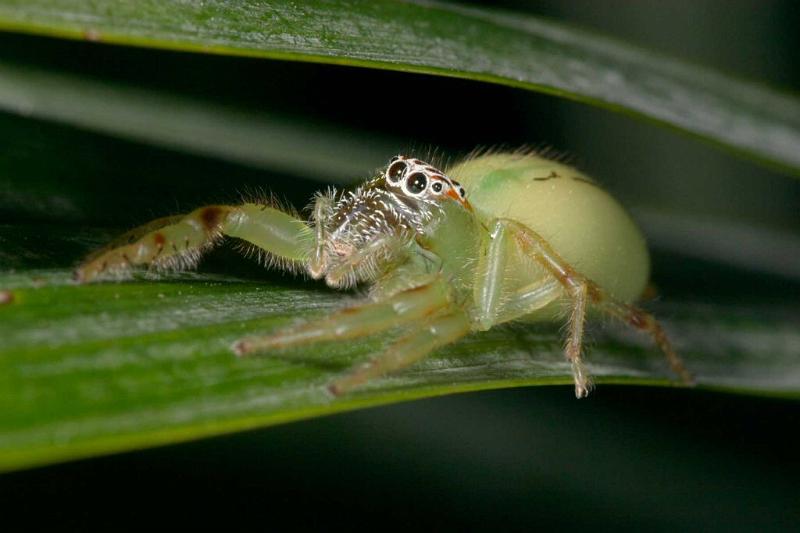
{"x":534,"y":236}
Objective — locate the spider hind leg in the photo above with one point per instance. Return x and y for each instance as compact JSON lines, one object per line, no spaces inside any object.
{"x":581,"y":294}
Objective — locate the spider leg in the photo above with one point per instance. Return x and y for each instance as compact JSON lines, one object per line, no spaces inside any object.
{"x":493,"y":303}
{"x":342,"y":272}
{"x":407,"y":351}
{"x":574,"y":346}
{"x":493,"y":306}
{"x":530,"y":298}
{"x":405,"y":307}
{"x":179,"y":242}
{"x":644,"y":321}
{"x":584,"y":292}
{"x":322,"y":210}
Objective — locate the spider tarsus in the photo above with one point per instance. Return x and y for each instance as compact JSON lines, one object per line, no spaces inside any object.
{"x":6,"y":297}
{"x":582,"y":390}
{"x":583,"y":381}
{"x":687,"y":378}
{"x":241,"y":348}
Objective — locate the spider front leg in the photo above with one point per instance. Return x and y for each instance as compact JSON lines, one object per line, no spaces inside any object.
{"x":505,"y":236}
{"x":178,"y":242}
{"x":351,"y":322}
{"x":427,"y":336}
{"x":425,"y":311}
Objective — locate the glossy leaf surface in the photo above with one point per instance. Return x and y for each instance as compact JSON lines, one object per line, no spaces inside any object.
{"x":439,"y":38}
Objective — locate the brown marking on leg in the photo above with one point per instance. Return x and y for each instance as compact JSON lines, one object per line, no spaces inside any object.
{"x":594,"y":292}
{"x":241,"y":348}
{"x":645,"y":322}
{"x":211,"y":217}
{"x":638,"y":319}
{"x":160,"y":240}
{"x":6,"y":297}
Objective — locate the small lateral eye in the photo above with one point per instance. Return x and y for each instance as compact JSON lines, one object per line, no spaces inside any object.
{"x":462,"y":192}
{"x":396,"y":171}
{"x":437,"y":187}
{"x":416,"y":183}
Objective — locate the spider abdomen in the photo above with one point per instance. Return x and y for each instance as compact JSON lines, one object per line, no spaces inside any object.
{"x":583,"y":223}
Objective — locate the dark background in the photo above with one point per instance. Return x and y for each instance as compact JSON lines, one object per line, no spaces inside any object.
{"x":627,"y":457}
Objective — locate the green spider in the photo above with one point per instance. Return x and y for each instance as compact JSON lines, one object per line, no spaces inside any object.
{"x":535,"y":236}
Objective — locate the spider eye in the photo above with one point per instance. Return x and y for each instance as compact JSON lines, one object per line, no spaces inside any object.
{"x":396,"y":171}
{"x":437,"y":187}
{"x":416,"y":183}
{"x":462,"y":192}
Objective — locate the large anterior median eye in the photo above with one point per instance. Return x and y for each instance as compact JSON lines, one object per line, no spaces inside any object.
{"x":395,"y":171}
{"x":416,"y":183}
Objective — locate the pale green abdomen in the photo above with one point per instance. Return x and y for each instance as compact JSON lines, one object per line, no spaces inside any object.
{"x":581,"y":221}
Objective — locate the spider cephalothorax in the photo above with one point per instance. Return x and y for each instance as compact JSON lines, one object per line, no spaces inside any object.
{"x":359,"y":230}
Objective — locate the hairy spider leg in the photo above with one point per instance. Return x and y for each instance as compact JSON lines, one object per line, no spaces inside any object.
{"x":583,"y":292}
{"x":446,"y":329}
{"x":343,"y":268}
{"x":646,"y":322}
{"x":409,"y":306}
{"x":529,"y":298}
{"x":323,"y":207}
{"x":493,"y":306}
{"x":504,"y":236}
{"x":179,"y":242}
{"x":408,"y":350}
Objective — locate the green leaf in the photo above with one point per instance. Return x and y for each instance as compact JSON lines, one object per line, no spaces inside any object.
{"x":178,"y":122}
{"x":438,"y":38}
{"x":88,"y":370}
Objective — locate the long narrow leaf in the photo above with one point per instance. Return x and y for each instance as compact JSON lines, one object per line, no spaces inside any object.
{"x":87,"y":370}
{"x":446,"y":39}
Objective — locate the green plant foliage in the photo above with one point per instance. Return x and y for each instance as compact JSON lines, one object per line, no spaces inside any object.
{"x":87,"y":370}
{"x":100,"y":368}
{"x":446,"y":39}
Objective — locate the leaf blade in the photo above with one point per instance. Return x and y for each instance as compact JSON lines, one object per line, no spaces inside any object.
{"x":148,"y":363}
{"x":444,"y":39}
